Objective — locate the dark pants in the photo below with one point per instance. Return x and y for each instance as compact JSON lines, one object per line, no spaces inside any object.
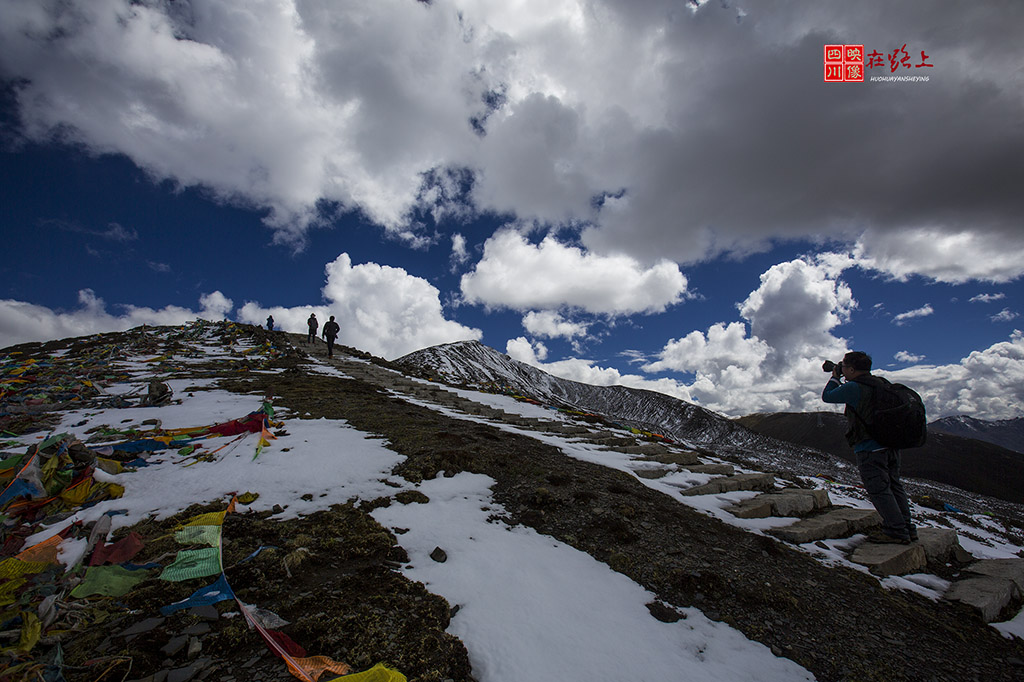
{"x":330,"y":346}
{"x":312,"y":336}
{"x":880,"y":472}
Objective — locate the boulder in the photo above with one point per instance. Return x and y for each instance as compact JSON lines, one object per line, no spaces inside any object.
{"x":938,"y":543}
{"x":733,"y":483}
{"x":985,"y":594}
{"x":886,"y":559}
{"x":1009,"y":569}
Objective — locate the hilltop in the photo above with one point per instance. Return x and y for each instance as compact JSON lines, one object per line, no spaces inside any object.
{"x":344,"y":562}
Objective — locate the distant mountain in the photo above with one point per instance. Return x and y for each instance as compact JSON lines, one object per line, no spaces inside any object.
{"x":967,"y":463}
{"x":473,"y":364}
{"x":1008,"y":433}
{"x":804,"y":444}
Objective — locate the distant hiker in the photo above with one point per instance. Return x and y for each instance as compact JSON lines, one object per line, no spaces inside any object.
{"x":330,"y":333}
{"x":270,"y":323}
{"x":879,"y":465}
{"x":313,"y":325}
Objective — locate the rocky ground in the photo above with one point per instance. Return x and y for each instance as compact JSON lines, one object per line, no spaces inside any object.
{"x":331,"y":574}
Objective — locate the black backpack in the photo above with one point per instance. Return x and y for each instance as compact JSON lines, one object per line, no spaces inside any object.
{"x":896,"y":416}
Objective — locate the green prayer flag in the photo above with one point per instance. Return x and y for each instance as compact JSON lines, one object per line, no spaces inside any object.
{"x":193,"y":563}
{"x":110,"y":581}
{"x":199,"y":535}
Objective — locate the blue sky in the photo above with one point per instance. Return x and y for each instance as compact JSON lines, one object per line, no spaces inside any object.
{"x":645,"y":193}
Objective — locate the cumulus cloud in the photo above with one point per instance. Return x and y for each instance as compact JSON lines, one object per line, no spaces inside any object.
{"x":907,"y":356}
{"x":645,"y":123}
{"x":550,"y":324}
{"x":776,"y":365}
{"x":590,"y":372}
{"x":21,"y":322}
{"x":988,"y":384}
{"x":948,"y":256}
{"x":514,"y":273}
{"x":381,"y":309}
{"x":923,"y":311}
{"x":1005,"y":315}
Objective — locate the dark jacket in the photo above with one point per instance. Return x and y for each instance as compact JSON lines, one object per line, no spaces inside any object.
{"x":856,"y":395}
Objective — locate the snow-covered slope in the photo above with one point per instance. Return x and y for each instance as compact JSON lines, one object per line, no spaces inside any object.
{"x":473,"y":364}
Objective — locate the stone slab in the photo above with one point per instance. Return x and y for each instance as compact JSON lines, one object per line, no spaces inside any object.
{"x":937,"y":542}
{"x":985,"y":594}
{"x":648,"y":449}
{"x":813,"y":528}
{"x":797,"y":501}
{"x":754,"y":508}
{"x":732,"y":484}
{"x":858,"y":520}
{"x":886,"y":559}
{"x":1009,"y":569}
{"x":717,"y":469}
{"x":611,"y":441}
{"x":680,"y":458}
{"x":657,"y":472}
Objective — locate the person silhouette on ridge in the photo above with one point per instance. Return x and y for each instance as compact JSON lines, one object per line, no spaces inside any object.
{"x":330,"y":333}
{"x":313,"y":325}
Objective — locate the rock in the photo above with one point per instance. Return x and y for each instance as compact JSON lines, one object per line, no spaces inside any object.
{"x":660,"y":472}
{"x":733,"y":483}
{"x":714,"y":469}
{"x":886,"y":559}
{"x":206,"y":612}
{"x":680,"y":458}
{"x":664,"y":613}
{"x":1009,"y":569}
{"x":811,"y":529}
{"x":439,"y":555}
{"x":785,"y":502}
{"x":938,"y":543}
{"x":645,"y":449}
{"x":174,"y":646}
{"x":147,"y":625}
{"x":985,"y":594}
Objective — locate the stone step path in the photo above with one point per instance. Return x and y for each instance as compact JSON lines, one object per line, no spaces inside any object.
{"x":988,"y":586}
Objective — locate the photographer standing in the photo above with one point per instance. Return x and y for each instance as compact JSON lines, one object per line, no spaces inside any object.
{"x":879,"y":465}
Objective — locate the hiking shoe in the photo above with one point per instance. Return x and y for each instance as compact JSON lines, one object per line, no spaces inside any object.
{"x":883,"y":538}
{"x":913,"y":535}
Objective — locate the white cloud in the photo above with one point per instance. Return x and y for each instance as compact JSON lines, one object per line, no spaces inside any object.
{"x":1005,"y":315}
{"x":550,"y":324}
{"x":459,"y":253}
{"x":21,"y":322}
{"x":907,"y":356}
{"x":795,"y":309}
{"x":948,"y":256}
{"x":381,"y":309}
{"x":987,"y":298}
{"x":588,"y":372}
{"x":524,"y":350}
{"x":923,"y":311}
{"x":516,"y":274}
{"x":641,"y":121}
{"x":777,"y":366}
{"x":987,"y":384}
